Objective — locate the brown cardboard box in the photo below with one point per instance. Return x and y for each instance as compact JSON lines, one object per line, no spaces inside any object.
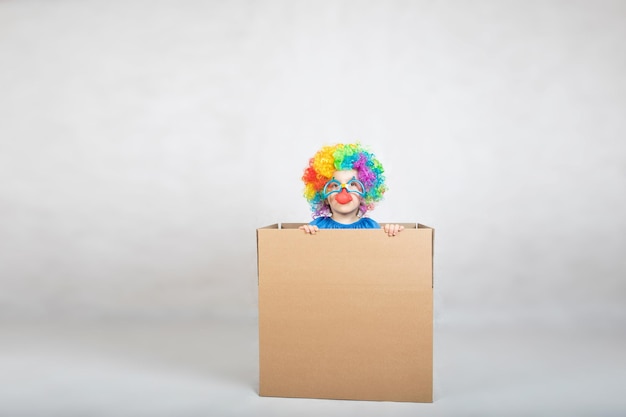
{"x":346,"y":314}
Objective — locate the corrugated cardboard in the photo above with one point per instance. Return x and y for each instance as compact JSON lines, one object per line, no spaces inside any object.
{"x":346,"y":314}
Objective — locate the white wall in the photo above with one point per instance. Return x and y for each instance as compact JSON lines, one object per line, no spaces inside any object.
{"x":142,"y":143}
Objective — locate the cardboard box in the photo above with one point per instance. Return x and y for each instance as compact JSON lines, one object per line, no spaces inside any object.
{"x":346,"y":314}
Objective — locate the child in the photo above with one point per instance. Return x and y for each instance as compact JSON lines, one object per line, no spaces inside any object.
{"x":342,"y":182}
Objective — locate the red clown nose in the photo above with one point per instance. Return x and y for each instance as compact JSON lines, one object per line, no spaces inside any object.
{"x":343,"y":197}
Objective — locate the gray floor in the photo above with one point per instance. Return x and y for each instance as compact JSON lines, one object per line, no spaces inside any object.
{"x":209,"y":368}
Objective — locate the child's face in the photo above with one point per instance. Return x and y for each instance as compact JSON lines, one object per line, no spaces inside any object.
{"x":344,"y":205}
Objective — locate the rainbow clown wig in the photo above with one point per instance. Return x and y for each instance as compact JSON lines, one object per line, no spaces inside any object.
{"x":338,"y":158}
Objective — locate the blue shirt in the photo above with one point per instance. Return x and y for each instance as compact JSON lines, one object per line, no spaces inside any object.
{"x":329,"y":223}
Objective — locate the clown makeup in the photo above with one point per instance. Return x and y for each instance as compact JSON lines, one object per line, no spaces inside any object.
{"x":344,"y":193}
{"x":352,"y":186}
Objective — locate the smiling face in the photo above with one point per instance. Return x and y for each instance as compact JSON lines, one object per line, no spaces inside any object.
{"x":344,"y":205}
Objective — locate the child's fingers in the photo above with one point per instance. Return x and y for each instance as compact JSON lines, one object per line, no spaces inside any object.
{"x":309,"y":229}
{"x":393,"y":229}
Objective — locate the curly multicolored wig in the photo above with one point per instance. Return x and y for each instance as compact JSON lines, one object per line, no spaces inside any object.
{"x":338,"y":158}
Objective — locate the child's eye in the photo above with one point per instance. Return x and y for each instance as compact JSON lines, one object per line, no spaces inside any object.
{"x":354,"y":185}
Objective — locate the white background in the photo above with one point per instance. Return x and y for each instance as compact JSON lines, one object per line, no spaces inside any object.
{"x":143,"y":142}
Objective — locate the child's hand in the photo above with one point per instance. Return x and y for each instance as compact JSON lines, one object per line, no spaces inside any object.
{"x":393,"y":229}
{"x":311,"y":230}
